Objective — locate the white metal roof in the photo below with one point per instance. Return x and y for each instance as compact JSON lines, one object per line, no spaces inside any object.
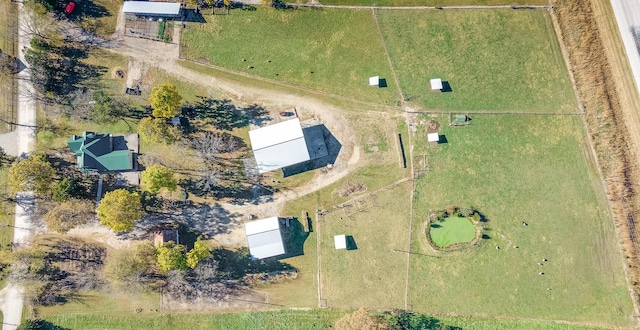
{"x":340,"y":241}
{"x":260,"y":226}
{"x":151,"y":8}
{"x":279,"y":145}
{"x":433,"y":137}
{"x":374,"y":81}
{"x":436,"y":83}
{"x":264,"y":238}
{"x":275,"y":134}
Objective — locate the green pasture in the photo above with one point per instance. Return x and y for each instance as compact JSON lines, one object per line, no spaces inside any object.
{"x":283,"y":319}
{"x":452,"y":230}
{"x":333,"y":51}
{"x":369,"y":272}
{"x":432,"y":3}
{"x":501,"y":59}
{"x":515,"y":169}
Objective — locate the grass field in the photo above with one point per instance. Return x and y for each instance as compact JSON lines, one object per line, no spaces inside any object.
{"x":333,"y":51}
{"x":513,"y":169}
{"x":451,"y":231}
{"x":400,"y":3}
{"x":500,"y":59}
{"x":370,"y":273}
{"x":6,"y":210}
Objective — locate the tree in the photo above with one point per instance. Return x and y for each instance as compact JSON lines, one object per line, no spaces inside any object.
{"x":32,"y":174}
{"x":119,"y":210}
{"x":156,"y":130}
{"x":68,"y":215}
{"x":107,"y":110}
{"x":66,"y":189}
{"x":361,"y":319}
{"x":403,"y":320}
{"x":156,"y":177}
{"x":171,"y":257}
{"x":194,"y":256}
{"x":165,"y":100}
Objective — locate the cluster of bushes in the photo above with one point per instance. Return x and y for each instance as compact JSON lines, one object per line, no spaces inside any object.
{"x":393,"y":320}
{"x":454,"y":211}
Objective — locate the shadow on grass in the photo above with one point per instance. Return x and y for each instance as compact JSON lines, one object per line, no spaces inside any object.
{"x":222,"y":114}
{"x":238,"y":263}
{"x":314,"y":136}
{"x":351,"y":243}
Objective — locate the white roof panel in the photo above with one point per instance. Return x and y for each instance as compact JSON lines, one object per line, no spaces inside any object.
{"x":147,"y":7}
{"x":266,"y":251}
{"x":264,"y":238}
{"x":340,"y":241}
{"x":436,"y":83}
{"x":275,"y":134}
{"x":281,"y":155}
{"x":374,"y":81}
{"x":261,"y":226}
{"x":433,"y":137}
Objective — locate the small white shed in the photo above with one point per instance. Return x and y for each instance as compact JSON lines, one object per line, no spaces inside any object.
{"x":436,"y":84}
{"x":374,"y":81}
{"x":433,"y":137}
{"x":340,"y":241}
{"x":264,"y":238}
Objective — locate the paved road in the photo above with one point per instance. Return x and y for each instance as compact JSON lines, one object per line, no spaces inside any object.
{"x":25,"y":201}
{"x":628,"y":17}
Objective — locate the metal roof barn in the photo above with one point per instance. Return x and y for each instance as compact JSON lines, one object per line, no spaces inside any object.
{"x":146,"y":8}
{"x":280,"y":145}
{"x":264,"y":238}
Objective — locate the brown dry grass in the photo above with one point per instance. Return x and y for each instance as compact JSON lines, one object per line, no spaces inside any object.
{"x":602,"y":100}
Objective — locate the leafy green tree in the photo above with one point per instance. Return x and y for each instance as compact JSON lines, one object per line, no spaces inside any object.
{"x":119,"y":210}
{"x":66,"y":189}
{"x":69,"y":214}
{"x":156,"y":130}
{"x":165,"y":100}
{"x":200,"y":251}
{"x":171,"y":257}
{"x":156,"y":177}
{"x":106,"y":110}
{"x":32,"y":174}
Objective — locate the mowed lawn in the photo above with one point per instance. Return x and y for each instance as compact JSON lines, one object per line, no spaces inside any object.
{"x":501,"y":59}
{"x":515,"y":169}
{"x":329,"y":50}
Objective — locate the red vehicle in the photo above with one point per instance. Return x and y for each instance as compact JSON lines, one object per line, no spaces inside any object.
{"x":70,"y":7}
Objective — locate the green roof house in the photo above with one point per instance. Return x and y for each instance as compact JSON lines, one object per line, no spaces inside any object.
{"x":101,"y":152}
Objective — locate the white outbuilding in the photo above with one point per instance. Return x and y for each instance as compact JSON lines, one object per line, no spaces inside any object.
{"x":436,"y":84}
{"x":340,"y":241}
{"x":374,"y":81}
{"x":433,"y":137}
{"x":151,"y":9}
{"x":280,"y":145}
{"x":264,"y":238}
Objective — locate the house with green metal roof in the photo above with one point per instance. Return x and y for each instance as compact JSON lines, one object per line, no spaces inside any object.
{"x":99,"y":152}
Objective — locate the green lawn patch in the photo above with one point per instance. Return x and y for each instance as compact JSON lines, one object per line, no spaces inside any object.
{"x":517,"y":169}
{"x":330,"y":50}
{"x":452,"y":230}
{"x":502,"y":59}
